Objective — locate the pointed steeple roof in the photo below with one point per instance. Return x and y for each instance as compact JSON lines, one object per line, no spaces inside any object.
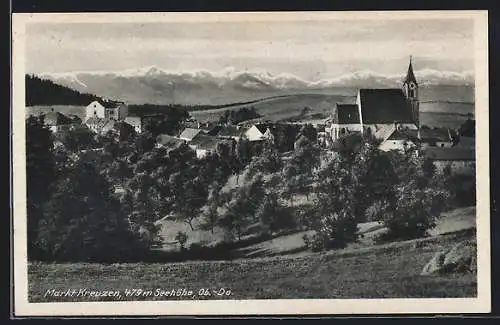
{"x":410,"y":76}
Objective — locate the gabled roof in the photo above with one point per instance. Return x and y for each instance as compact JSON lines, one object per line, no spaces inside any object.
{"x":262,"y":127}
{"x":433,"y":135}
{"x":206,"y":142}
{"x":406,"y":135}
{"x":56,"y":118}
{"x":96,"y":122}
{"x":451,"y":154}
{"x":189,"y":133}
{"x":380,"y":106}
{"x":168,"y":140}
{"x":346,"y":114}
{"x":133,"y":120}
{"x":385,"y":131}
{"x":109,"y":103}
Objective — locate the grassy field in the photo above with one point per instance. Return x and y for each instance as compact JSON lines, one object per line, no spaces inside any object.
{"x":385,"y":271}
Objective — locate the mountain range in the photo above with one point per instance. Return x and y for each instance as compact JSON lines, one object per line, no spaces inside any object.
{"x":158,"y":86}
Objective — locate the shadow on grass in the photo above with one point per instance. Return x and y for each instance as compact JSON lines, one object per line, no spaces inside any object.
{"x":224,"y":250}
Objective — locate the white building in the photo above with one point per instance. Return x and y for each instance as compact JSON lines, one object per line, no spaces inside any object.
{"x":109,"y":110}
{"x":259,"y":132}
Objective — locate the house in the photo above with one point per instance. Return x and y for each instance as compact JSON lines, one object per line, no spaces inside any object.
{"x":204,"y":145}
{"x":189,"y":134}
{"x":136,"y":122}
{"x":231,"y":132}
{"x":100,"y":125}
{"x":460,"y":160}
{"x":57,"y":121}
{"x":259,"y":132}
{"x":106,"y":110}
{"x":168,"y":141}
{"x":439,"y":137}
{"x":397,"y":139}
{"x":376,"y":110}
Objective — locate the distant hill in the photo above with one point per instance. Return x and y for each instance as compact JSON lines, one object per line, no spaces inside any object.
{"x":45,"y":92}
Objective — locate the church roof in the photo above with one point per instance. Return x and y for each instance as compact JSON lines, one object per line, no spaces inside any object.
{"x":410,"y":76}
{"x":382,"y":106}
{"x":347,"y":114}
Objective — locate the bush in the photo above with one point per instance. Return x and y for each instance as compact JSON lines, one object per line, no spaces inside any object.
{"x":414,"y":211}
{"x":336,"y":231}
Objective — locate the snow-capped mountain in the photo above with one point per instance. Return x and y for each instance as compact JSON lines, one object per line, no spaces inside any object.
{"x":156,"y":85}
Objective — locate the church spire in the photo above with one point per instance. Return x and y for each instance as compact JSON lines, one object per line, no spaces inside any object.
{"x":410,"y":76}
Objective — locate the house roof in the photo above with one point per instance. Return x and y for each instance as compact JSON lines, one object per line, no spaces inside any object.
{"x":385,"y":131}
{"x":133,"y":120}
{"x":109,"y":103}
{"x":262,"y":127}
{"x":450,"y":154}
{"x":379,"y":106}
{"x":206,"y":142}
{"x":346,"y":114}
{"x":407,"y":135}
{"x":168,"y":140}
{"x":189,"y":133}
{"x":100,"y":123}
{"x":433,"y":135}
{"x":56,"y":118}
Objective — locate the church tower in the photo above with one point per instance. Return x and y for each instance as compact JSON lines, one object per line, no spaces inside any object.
{"x":410,"y":89}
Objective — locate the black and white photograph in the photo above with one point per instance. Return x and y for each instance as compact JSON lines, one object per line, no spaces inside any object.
{"x":250,"y":163}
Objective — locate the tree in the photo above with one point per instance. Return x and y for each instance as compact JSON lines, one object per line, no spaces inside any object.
{"x":78,"y":139}
{"x":40,"y":174}
{"x":334,"y":220}
{"x":467,"y":129}
{"x":272,"y":215}
{"x":309,"y":132}
{"x":210,"y":215}
{"x":239,"y":207}
{"x":267,"y":163}
{"x":83,"y":221}
{"x":414,"y":211}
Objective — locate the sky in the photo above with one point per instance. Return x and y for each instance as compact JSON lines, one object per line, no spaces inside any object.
{"x":312,"y":50}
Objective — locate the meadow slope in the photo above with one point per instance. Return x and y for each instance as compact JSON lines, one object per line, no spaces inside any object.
{"x":384,"y":271}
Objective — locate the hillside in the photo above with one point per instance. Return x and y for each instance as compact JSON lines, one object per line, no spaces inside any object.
{"x":44,"y":92}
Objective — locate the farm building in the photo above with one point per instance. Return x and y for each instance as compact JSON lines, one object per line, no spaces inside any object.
{"x":460,"y":160}
{"x":57,"y":121}
{"x":189,"y":134}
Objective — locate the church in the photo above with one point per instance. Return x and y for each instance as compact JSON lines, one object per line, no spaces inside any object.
{"x":379,"y":111}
